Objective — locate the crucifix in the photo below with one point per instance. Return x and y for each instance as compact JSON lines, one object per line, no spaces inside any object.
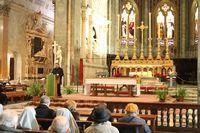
{"x":55,"y":46}
{"x":142,"y":27}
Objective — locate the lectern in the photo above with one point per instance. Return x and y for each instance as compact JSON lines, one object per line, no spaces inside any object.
{"x":51,"y":85}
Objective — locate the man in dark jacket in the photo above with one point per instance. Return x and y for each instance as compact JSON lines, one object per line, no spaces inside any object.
{"x":43,"y":111}
{"x":58,"y":71}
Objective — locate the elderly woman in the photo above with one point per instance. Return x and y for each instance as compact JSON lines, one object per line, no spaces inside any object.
{"x":71,"y":105}
{"x":132,"y":116}
{"x":1,"y":109}
{"x":101,"y":124}
{"x":27,"y":119}
{"x":60,"y":125}
{"x":8,"y":122}
{"x":67,"y":114}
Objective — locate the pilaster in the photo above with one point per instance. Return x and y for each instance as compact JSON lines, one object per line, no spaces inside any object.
{"x":198,"y":57}
{"x":183,"y":28}
{"x":4,"y":12}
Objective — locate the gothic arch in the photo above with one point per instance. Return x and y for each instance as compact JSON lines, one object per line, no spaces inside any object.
{"x":176,"y":21}
{"x":123,"y":2}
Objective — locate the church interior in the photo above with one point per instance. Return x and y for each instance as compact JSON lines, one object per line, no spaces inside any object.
{"x":114,"y":52}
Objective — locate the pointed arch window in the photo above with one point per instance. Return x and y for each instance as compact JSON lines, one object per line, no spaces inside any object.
{"x":128,"y":15}
{"x":196,"y":24}
{"x":165,"y":19}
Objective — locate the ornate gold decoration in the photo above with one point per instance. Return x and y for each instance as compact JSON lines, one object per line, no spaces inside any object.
{"x":142,"y":27}
{"x":4,"y":9}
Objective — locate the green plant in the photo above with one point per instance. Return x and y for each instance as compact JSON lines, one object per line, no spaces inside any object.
{"x":68,"y":90}
{"x":161,"y":94}
{"x":35,"y":89}
{"x":181,"y":93}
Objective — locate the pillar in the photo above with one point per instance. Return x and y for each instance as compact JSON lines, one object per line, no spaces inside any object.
{"x":62,"y":33}
{"x":183,"y":28}
{"x":4,"y":12}
{"x":83,"y":37}
{"x":113,"y":29}
{"x":198,"y":57}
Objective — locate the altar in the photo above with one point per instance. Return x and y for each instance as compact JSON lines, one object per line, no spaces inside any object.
{"x":114,"y":85}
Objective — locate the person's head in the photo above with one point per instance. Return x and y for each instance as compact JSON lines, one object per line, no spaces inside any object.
{"x":71,"y":104}
{"x":1,"y":109}
{"x":100,"y":114}
{"x":101,"y":105}
{"x":45,"y":100}
{"x":9,"y":118}
{"x":131,"y":108}
{"x":60,"y":125}
{"x":57,"y":65}
{"x":63,"y":112}
{"x":27,"y":119}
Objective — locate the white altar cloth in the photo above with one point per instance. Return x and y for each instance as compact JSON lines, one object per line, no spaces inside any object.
{"x":110,"y":81}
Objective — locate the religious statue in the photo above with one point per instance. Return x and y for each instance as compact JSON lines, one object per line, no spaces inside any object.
{"x":57,"y":53}
{"x":170,"y":30}
{"x":131,"y":29}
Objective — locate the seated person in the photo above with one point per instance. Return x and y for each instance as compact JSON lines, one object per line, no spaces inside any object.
{"x":132,"y":116}
{"x":8,"y":122}
{"x":69,"y":117}
{"x":27,"y":120}
{"x":100,"y":117}
{"x":102,"y":105}
{"x":71,"y":105}
{"x":1,"y":109}
{"x":43,"y":111}
{"x":3,"y":97}
{"x":60,"y":125}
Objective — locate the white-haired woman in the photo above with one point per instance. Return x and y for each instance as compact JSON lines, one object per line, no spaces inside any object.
{"x":27,"y":119}
{"x":68,"y":115}
{"x":60,"y":125}
{"x":1,"y":109}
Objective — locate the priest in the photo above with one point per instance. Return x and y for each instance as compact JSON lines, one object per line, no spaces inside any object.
{"x":58,"y":71}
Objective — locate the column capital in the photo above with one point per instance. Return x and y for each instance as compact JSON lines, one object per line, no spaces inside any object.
{"x":4,"y":9}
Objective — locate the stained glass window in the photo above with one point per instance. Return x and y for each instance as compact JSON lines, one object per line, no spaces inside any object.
{"x":128,"y":15}
{"x":165,"y":20}
{"x":196,"y":25}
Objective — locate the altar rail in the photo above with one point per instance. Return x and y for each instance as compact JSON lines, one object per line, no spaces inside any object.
{"x":170,"y":116}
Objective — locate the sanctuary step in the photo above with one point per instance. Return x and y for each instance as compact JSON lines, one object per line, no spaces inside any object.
{"x":191,"y":96}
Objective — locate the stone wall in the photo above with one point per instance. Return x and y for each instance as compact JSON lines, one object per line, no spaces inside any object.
{"x":18,"y":16}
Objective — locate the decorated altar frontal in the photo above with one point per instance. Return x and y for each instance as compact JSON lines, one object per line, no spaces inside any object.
{"x":113,"y":85}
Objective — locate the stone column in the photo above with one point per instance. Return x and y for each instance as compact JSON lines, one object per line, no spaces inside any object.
{"x":113,"y":29}
{"x":61,"y":34}
{"x":83,"y":37}
{"x":182,"y":28}
{"x":4,"y":12}
{"x":90,"y":39}
{"x":198,"y":57}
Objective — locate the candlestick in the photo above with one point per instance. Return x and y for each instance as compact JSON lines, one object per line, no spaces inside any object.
{"x":127,"y":27}
{"x":158,"y":30}
{"x":118,"y":20}
{"x":149,"y":25}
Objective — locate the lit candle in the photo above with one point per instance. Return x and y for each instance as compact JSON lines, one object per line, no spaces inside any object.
{"x":149,"y":25}
{"x":127,"y":27}
{"x":118,"y":26}
{"x":158,"y":30}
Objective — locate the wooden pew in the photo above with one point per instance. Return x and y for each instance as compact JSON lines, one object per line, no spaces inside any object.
{"x":132,"y":127}
{"x":150,"y":117}
{"x":13,"y":94}
{"x":121,"y":126}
